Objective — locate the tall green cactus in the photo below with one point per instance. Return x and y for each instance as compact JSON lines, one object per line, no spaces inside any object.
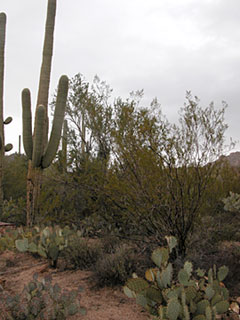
{"x":64,"y":146}
{"x":9,"y":146}
{"x":38,"y":149}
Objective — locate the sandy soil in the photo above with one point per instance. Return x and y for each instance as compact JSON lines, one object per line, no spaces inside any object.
{"x":17,"y":269}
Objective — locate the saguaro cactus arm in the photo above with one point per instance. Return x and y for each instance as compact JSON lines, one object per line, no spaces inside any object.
{"x":27,"y":123}
{"x":57,"y":122}
{"x":7,"y":120}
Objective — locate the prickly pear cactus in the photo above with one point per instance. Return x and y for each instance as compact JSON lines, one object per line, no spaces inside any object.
{"x":47,"y":243}
{"x":188,"y":297}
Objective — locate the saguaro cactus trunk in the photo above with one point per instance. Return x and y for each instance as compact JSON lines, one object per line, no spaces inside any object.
{"x":38,"y":149}
{"x":8,"y":147}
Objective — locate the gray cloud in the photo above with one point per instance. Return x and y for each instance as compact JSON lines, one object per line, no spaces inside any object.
{"x":165,"y":47}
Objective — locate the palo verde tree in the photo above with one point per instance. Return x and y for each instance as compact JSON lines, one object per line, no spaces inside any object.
{"x":8,"y":147}
{"x":39,"y":151}
{"x":89,"y":117}
{"x":162,"y":171}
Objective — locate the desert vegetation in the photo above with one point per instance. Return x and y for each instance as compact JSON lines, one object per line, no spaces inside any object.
{"x":144,"y":205}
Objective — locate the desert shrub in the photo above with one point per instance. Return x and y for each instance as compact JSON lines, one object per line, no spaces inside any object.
{"x":14,"y":211}
{"x":15,"y":175}
{"x":7,"y":239}
{"x":205,"y":253}
{"x":40,"y":300}
{"x":92,"y":225}
{"x":110,"y":243}
{"x":6,"y":243}
{"x":115,"y":268}
{"x":81,"y":253}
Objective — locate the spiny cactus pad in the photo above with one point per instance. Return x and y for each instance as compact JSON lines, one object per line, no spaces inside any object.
{"x":222,"y":307}
{"x":160,"y":256}
{"x":183,"y":277}
{"x":151,"y":274}
{"x":173,"y":309}
{"x":172,"y":242}
{"x":201,"y":306}
{"x":22,"y":244}
{"x":137,"y":284}
{"x":222,"y":273}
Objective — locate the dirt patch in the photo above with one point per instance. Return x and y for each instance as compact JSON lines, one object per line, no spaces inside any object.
{"x":17,"y":269}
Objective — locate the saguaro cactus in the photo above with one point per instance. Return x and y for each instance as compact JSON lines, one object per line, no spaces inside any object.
{"x":9,"y":146}
{"x":33,"y":145}
{"x":38,"y":149}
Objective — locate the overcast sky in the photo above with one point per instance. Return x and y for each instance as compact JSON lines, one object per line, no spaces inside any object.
{"x":162,"y":46}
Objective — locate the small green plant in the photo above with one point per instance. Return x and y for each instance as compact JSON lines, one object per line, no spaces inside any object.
{"x":182,"y":296}
{"x":47,"y":243}
{"x":40,"y":299}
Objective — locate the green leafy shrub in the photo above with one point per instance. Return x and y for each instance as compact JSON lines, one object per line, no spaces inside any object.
{"x":180,"y":296}
{"x":81,"y":254}
{"x":40,"y":300}
{"x":205,"y":253}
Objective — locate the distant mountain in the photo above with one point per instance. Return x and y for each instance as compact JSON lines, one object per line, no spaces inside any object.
{"x":233,"y":159}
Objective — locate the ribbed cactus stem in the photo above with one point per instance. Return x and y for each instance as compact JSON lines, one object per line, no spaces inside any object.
{"x":19,"y":144}
{"x":44,"y":82}
{"x":27,"y":123}
{"x":38,"y":137}
{"x":57,"y":122}
{"x":64,"y":145}
{"x":3,"y":20}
